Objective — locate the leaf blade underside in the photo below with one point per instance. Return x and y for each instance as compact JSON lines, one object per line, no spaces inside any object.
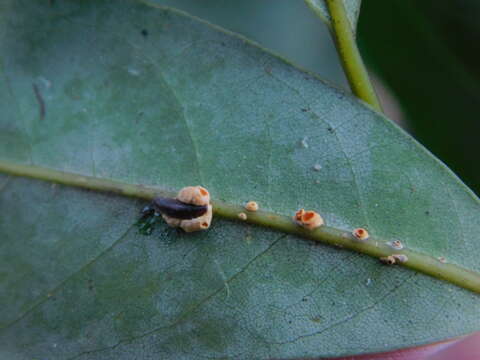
{"x":188,"y":104}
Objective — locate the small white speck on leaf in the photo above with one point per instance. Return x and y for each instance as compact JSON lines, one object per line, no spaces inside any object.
{"x":317,"y":167}
{"x":133,"y":71}
{"x":396,"y":244}
{"x":369,"y":282}
{"x":304,"y":143}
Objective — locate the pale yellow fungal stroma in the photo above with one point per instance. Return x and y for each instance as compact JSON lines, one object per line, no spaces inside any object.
{"x":251,"y":206}
{"x":199,"y":223}
{"x":195,"y":195}
{"x":242,"y":216}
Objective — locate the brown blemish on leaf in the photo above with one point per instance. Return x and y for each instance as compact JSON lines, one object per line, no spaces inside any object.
{"x":41,"y":103}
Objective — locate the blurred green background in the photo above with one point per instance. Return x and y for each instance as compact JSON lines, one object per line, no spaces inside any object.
{"x":423,"y":55}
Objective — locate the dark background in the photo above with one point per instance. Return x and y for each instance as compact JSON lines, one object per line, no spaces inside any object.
{"x":427,"y":52}
{"x":424,"y":56}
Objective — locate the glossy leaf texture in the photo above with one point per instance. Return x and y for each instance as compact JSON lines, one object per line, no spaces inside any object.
{"x":352,"y":8}
{"x":147,"y":95}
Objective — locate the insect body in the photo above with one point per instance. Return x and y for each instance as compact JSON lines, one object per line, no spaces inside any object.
{"x":190,"y":210}
{"x":177,"y":209}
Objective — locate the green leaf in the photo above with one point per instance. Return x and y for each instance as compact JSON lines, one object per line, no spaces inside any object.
{"x":352,"y":7}
{"x":152,"y":96}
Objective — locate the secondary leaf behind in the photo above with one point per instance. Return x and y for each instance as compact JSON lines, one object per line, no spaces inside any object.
{"x":352,"y":7}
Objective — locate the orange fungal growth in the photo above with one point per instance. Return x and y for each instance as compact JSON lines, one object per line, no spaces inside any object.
{"x":251,"y":206}
{"x":360,"y":234}
{"x":298,"y":215}
{"x":195,"y":195}
{"x":308,"y":219}
{"x":199,"y":223}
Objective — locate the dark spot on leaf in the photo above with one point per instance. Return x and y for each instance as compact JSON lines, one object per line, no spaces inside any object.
{"x":330,"y":129}
{"x":144,"y":33}
{"x":427,"y":212}
{"x":41,"y":102}
{"x":222,"y":43}
{"x":146,"y":223}
{"x":305,"y":109}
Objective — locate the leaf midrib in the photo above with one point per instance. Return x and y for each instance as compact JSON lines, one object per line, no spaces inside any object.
{"x":426,"y":264}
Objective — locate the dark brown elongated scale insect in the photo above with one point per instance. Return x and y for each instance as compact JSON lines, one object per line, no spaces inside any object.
{"x":177,"y":209}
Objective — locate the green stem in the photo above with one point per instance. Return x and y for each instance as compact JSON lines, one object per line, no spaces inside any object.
{"x":327,"y":235}
{"x":352,"y":62}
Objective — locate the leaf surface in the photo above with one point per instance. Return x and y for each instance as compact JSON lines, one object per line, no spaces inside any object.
{"x":152,"y":96}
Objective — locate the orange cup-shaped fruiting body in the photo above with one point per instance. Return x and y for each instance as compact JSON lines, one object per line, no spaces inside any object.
{"x":298,"y":216}
{"x":308,"y":219}
{"x":251,"y":206}
{"x":360,"y":234}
